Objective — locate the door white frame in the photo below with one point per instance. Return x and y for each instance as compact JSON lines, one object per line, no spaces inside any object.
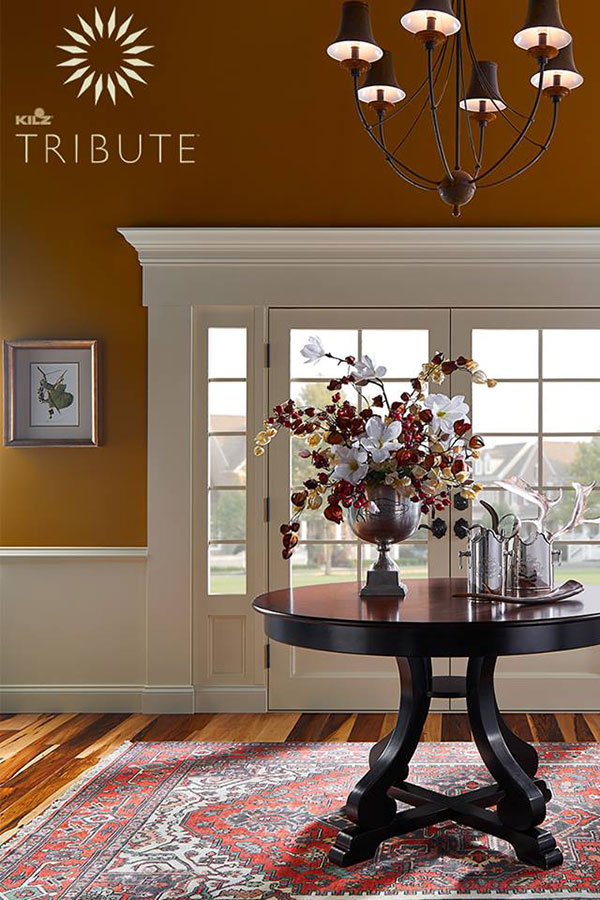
{"x":185,"y":268}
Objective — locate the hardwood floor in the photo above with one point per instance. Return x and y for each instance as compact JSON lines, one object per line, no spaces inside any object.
{"x":40,"y":755}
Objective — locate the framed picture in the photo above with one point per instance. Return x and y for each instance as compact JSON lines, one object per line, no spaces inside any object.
{"x":51,"y":394}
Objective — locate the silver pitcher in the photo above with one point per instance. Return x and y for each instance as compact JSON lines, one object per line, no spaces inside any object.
{"x":487,"y":554}
{"x":531,"y":566}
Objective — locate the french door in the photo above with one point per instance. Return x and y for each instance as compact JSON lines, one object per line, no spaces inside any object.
{"x":401,"y":340}
{"x":541,"y":421}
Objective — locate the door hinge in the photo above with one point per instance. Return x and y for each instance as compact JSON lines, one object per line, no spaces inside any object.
{"x":267,"y":509}
{"x":267,"y":355}
{"x":267,"y":656}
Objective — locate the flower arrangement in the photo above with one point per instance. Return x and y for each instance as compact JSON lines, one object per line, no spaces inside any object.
{"x":417,"y":444}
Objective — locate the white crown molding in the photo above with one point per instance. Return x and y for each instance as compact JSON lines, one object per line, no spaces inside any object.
{"x":363,"y":246}
{"x":73,"y":552}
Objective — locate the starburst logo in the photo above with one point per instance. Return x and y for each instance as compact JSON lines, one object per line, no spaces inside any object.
{"x":105,"y":56}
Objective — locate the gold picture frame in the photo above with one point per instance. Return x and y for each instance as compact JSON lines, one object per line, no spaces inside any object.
{"x":51,"y":393}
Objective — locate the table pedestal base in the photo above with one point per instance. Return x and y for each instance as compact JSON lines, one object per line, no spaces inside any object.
{"x":519,"y":798}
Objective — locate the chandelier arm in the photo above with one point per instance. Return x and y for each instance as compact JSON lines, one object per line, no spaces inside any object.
{"x":438,"y":71}
{"x":525,"y":128}
{"x":396,"y":165}
{"x":534,"y":159}
{"x":434,"y":117}
{"x":479,"y":71}
{"x":437,"y":68}
{"x":457,"y":82}
{"x":479,"y":156}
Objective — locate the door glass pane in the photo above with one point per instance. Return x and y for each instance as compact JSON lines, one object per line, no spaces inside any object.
{"x":226,"y":352}
{"x":506,"y":408}
{"x":571,"y":353}
{"x":323,"y":563}
{"x":227,"y":569}
{"x":227,"y":515}
{"x":562,"y":512}
{"x":339,"y":342}
{"x":578,"y":561}
{"x":571,"y":407}
{"x":227,"y":460}
{"x":227,"y":406}
{"x":505,"y":456}
{"x":571,"y":459}
{"x":401,"y":351}
{"x":503,"y":502}
{"x":506,"y":352}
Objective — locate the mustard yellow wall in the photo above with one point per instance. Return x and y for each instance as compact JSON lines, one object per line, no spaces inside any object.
{"x":278,"y":145}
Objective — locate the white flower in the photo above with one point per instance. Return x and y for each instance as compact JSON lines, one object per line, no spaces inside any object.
{"x":381,"y":438}
{"x":352,"y":464}
{"x":446,"y":410}
{"x":366,"y":368}
{"x":313,"y":350}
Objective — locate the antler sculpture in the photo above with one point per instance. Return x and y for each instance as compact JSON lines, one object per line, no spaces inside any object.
{"x":582,"y":496}
{"x":519,"y":486}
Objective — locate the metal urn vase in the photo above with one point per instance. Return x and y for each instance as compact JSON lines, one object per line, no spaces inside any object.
{"x":396,"y":519}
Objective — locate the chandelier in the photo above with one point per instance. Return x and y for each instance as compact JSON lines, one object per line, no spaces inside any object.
{"x":444,"y":33}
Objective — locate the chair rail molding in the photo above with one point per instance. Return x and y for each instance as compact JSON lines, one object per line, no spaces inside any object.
{"x":192,"y":272}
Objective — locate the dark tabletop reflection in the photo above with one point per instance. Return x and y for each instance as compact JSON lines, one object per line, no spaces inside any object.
{"x":429,"y":600}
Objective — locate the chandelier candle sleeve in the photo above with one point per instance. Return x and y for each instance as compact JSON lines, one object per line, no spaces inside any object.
{"x":561,"y":72}
{"x":442,"y":27}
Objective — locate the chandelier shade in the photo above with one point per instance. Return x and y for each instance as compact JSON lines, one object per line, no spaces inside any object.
{"x":431,"y":15}
{"x":483,"y":95}
{"x":543,"y":27}
{"x":355,"y":38}
{"x":380,"y":85}
{"x":560,"y":72}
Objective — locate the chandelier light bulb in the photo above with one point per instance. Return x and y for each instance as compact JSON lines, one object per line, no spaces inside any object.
{"x":483,"y":97}
{"x":543,"y":33}
{"x":380,"y":88}
{"x":433,"y":16}
{"x":355,"y":46}
{"x":561,"y":72}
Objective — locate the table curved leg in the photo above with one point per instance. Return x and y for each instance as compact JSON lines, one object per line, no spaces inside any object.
{"x":524,"y":753}
{"x":368,"y":805}
{"x":523,"y":804}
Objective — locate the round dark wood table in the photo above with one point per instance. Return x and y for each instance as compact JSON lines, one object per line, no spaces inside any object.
{"x":435,"y":620}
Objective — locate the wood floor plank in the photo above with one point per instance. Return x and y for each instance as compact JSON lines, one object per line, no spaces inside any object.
{"x":308,"y":727}
{"x":276,"y":726}
{"x":519,"y":723}
{"x":168,"y":728}
{"x":455,"y":727}
{"x":124,"y":731}
{"x":433,"y":728}
{"x":34,"y":733}
{"x":544,"y":727}
{"x":367,"y":727}
{"x":592,"y":720}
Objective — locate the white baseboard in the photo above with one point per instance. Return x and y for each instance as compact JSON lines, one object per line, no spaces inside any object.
{"x":97,"y":698}
{"x":231,"y":699}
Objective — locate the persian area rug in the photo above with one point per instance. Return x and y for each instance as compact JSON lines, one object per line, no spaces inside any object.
{"x":168,"y":821}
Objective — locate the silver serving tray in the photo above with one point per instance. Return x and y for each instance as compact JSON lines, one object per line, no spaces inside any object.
{"x":568,"y":589}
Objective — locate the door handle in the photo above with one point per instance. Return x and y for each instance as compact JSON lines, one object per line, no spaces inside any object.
{"x":461,"y":528}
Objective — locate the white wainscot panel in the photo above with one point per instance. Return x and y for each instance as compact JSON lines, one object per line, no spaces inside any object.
{"x":73,"y":631}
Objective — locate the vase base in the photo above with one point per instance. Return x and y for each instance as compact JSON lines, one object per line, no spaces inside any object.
{"x":383,"y":583}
